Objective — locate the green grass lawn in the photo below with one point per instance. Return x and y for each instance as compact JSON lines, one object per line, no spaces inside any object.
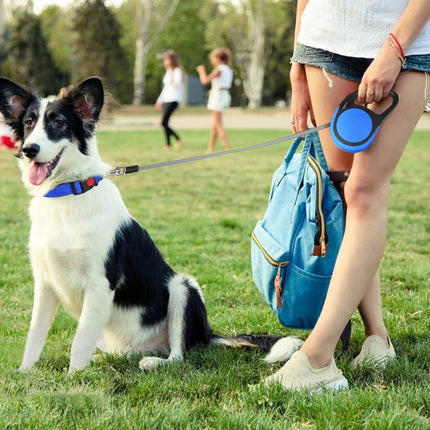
{"x":201,"y":216}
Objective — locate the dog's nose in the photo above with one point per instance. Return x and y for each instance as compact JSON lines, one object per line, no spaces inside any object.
{"x":31,"y":150}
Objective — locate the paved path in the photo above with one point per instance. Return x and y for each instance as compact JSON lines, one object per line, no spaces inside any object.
{"x":234,"y":118}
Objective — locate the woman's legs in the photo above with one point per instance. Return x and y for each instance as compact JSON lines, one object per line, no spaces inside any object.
{"x":168,"y":109}
{"x":217,"y":129}
{"x":221,"y":132}
{"x":213,"y":133}
{"x":370,"y":310}
{"x":355,"y":279}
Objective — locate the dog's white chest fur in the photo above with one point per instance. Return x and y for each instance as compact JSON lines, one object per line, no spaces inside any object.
{"x":69,"y":240}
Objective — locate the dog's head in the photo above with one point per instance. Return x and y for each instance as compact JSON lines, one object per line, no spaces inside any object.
{"x":53,"y":136}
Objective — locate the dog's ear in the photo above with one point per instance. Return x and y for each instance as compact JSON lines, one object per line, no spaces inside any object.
{"x":87,"y":98}
{"x":14,"y":99}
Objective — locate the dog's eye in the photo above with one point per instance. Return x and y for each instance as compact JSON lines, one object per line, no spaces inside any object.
{"x":28,"y":122}
{"x":59,"y":122}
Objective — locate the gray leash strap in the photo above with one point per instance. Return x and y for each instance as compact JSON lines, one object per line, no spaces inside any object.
{"x":123,"y":170}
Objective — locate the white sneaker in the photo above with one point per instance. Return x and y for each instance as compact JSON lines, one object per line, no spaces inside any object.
{"x":375,"y":352}
{"x":298,"y":374}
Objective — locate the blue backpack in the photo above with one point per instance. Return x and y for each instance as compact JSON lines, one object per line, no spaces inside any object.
{"x":294,"y":247}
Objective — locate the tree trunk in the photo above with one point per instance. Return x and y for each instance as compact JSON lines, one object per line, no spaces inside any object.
{"x":251,"y":53}
{"x":139,"y":73}
{"x":147,"y":35}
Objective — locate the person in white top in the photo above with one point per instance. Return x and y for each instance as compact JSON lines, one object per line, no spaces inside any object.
{"x":171,"y":95}
{"x":219,"y":99}
{"x":340,"y":47}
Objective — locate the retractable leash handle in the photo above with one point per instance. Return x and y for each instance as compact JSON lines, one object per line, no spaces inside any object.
{"x":353,"y":127}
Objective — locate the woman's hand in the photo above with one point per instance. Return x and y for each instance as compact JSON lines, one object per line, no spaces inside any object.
{"x":300,"y":99}
{"x":201,"y":69}
{"x":380,"y":76}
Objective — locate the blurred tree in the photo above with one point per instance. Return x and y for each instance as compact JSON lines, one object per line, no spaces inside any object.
{"x":125,"y":13}
{"x":152,"y":17}
{"x":277,"y":85}
{"x":98,"y":51}
{"x":29,"y":53}
{"x":184,"y":33}
{"x":2,"y":17}
{"x":2,"y":32}
{"x":57,"y":30}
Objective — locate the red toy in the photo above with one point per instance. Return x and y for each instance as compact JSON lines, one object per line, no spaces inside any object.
{"x":5,"y":135}
{"x":6,"y":141}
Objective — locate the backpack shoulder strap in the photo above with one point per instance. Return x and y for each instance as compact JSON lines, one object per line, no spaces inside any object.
{"x":317,"y":147}
{"x":293,"y":149}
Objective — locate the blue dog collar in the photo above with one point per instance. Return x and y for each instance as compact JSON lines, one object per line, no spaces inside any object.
{"x":75,"y":188}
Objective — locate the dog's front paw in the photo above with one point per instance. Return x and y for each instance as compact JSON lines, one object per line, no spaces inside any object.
{"x":73,"y":368}
{"x":23,"y":368}
{"x":71,"y":371}
{"x":148,"y":363}
{"x":96,"y":358}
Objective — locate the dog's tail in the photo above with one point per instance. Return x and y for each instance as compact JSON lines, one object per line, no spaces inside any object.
{"x":279,"y":348}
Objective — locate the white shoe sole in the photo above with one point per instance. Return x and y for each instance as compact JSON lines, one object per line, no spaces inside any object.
{"x":338,"y":385}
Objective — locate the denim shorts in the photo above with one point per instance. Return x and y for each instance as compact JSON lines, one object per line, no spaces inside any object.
{"x":351,"y":68}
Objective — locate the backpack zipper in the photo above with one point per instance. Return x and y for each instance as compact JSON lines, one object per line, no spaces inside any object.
{"x":278,"y":264}
{"x":320,"y":243}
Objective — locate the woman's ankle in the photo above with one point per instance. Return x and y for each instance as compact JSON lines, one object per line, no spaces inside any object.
{"x":382,"y":333}
{"x":316,"y":359}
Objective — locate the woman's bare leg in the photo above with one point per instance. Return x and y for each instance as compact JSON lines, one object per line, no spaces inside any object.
{"x":213,"y":134}
{"x":221,"y":131}
{"x":371,"y":311}
{"x":366,"y":191}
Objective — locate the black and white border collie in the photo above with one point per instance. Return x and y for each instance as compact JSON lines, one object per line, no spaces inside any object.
{"x":87,"y":252}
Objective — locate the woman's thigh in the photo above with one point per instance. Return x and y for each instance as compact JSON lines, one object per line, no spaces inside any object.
{"x":327,"y":91}
{"x":168,"y":109}
{"x":377,"y":163}
{"x":216,"y":119}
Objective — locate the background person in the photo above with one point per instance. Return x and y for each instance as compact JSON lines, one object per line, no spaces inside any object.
{"x":219,"y":99}
{"x":171,"y":95}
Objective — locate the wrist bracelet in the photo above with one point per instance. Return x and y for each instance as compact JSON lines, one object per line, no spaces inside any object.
{"x":397,"y":48}
{"x":398,"y":44}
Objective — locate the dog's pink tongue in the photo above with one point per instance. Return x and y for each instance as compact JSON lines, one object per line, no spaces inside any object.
{"x":38,"y":172}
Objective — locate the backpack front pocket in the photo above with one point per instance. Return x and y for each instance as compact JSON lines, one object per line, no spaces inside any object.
{"x":269,"y":260}
{"x":303,"y":296}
